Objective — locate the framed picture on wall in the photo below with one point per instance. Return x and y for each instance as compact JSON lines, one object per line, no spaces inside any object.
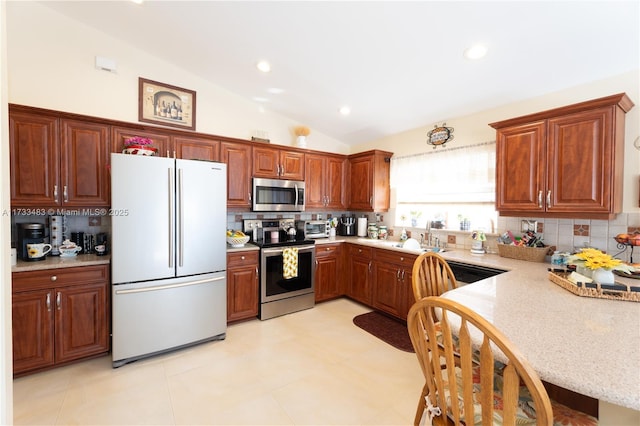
{"x":167,"y":105}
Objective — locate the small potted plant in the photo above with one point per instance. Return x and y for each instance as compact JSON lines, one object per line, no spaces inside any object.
{"x":138,"y":145}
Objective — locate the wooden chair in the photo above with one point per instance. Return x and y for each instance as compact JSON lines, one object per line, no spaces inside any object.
{"x":431,"y":276}
{"x":473,"y":392}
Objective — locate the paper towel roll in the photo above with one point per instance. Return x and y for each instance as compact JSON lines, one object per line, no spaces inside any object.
{"x":362,"y":227}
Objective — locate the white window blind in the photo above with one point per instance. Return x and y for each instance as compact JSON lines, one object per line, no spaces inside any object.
{"x":463,"y":174}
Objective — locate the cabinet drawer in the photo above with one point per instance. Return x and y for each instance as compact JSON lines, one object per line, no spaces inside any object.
{"x":404,"y":259}
{"x":358,"y":250}
{"x":326,"y":250}
{"x":242,"y":258}
{"x":61,"y":277}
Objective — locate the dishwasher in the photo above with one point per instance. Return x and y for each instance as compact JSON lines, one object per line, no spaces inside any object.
{"x":466,"y":273}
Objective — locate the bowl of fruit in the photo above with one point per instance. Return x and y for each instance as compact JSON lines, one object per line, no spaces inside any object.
{"x":237,"y":238}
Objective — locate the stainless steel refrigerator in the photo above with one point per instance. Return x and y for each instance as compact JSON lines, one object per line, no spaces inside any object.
{"x":168,"y":254}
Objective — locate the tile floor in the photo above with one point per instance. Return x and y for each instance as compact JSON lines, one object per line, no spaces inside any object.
{"x":313,"y":367}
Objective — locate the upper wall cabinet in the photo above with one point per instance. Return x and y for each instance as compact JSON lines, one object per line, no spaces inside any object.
{"x":369,"y":181}
{"x":325,"y":179}
{"x":566,"y":162}
{"x":274,"y":163}
{"x":170,"y":145}
{"x":237,"y":156}
{"x":57,"y":162}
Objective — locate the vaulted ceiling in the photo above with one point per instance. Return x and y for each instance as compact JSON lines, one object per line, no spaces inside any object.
{"x":397,"y":65}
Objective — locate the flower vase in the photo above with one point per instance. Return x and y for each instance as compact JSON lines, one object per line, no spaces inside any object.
{"x":332,"y":233}
{"x":302,"y":141}
{"x":603,"y":276}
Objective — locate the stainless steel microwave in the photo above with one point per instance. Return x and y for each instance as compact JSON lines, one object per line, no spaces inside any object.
{"x":278,"y":195}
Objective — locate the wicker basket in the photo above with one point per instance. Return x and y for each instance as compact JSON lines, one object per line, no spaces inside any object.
{"x":531,"y":254}
{"x":620,"y":292}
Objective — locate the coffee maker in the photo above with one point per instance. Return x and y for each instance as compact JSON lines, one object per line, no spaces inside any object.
{"x":347,"y":226}
{"x":29,"y":233}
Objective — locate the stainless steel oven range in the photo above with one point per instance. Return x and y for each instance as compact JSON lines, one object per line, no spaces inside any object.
{"x":287,"y":266}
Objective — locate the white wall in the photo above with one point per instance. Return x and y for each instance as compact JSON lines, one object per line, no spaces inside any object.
{"x":6,"y":365}
{"x":51,"y":64}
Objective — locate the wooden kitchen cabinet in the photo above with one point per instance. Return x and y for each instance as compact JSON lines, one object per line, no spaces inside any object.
{"x":324,"y":181}
{"x":566,"y":162}
{"x":243,"y":288}
{"x":369,"y":181}
{"x":57,"y":162}
{"x":329,"y":272}
{"x":238,"y":159}
{"x":392,"y":292}
{"x":189,"y":148}
{"x":161,"y":141}
{"x":276,"y":163}
{"x":360,"y":260}
{"x":59,"y":315}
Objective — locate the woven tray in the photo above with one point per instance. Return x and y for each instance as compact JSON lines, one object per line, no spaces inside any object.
{"x":531,"y":254}
{"x":618,"y":291}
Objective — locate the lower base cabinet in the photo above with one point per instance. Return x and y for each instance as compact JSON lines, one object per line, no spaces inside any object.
{"x":242,"y":285}
{"x":59,"y":315}
{"x":392,"y":291}
{"x":360,"y":260}
{"x":329,"y":272}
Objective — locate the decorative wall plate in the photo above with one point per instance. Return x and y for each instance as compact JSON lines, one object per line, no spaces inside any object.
{"x":440,"y":135}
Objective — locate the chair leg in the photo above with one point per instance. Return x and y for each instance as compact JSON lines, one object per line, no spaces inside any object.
{"x":422,"y":404}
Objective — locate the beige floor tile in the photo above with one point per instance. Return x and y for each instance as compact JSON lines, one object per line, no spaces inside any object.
{"x":310,"y":367}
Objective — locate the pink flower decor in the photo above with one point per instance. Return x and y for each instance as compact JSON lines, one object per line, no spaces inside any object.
{"x":137,"y":140}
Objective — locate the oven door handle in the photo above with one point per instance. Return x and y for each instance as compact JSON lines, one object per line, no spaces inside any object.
{"x":277,"y":250}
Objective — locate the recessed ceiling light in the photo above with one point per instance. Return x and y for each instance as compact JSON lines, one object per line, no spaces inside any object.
{"x":476,"y":51}
{"x":138,"y":1}
{"x":259,"y":99}
{"x":275,"y":90}
{"x":345,"y":110}
{"x":264,"y":66}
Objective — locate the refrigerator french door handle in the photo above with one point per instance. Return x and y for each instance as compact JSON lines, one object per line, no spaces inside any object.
{"x":171,"y":218}
{"x":180,"y":220}
{"x":167,"y":287}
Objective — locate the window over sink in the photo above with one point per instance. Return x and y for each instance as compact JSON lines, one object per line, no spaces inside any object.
{"x":453,"y":188}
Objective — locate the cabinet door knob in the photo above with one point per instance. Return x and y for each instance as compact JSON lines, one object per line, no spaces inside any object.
{"x":54,"y":277}
{"x":241,"y":257}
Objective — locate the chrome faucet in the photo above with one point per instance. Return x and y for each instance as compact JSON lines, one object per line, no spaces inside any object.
{"x":429,"y":235}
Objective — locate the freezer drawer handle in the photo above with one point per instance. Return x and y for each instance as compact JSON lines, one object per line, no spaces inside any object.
{"x":167,"y":287}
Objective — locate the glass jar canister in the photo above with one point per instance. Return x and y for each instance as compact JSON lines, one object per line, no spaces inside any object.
{"x":373,"y":231}
{"x":382,"y":232}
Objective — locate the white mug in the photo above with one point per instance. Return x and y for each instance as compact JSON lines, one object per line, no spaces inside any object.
{"x":38,"y":250}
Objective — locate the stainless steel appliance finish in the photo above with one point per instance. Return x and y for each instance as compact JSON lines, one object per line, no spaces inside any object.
{"x":313,"y":228}
{"x":168,"y":254}
{"x":280,"y":296}
{"x":278,"y":195}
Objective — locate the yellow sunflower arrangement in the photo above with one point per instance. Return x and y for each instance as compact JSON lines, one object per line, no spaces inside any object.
{"x":595,"y":259}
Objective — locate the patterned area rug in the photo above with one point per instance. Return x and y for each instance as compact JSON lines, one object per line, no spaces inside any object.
{"x":387,"y":329}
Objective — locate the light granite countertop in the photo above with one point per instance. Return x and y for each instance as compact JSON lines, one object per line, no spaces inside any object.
{"x":590,"y":346}
{"x":53,"y":262}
